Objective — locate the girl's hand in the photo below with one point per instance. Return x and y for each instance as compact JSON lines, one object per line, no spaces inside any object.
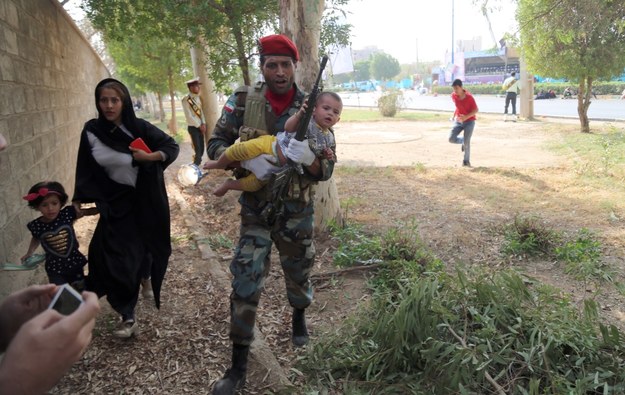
{"x":26,"y":257}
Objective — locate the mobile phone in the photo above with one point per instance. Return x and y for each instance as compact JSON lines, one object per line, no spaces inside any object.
{"x":66,"y":300}
{"x":138,"y":143}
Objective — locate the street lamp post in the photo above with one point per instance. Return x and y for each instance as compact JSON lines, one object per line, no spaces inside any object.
{"x":452,"y":41}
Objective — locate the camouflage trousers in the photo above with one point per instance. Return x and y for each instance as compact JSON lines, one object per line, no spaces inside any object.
{"x":293,"y":235}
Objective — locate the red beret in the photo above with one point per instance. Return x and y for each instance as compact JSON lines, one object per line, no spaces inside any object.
{"x":277,"y":44}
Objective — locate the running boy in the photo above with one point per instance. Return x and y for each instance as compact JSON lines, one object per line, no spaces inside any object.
{"x":464,"y":119}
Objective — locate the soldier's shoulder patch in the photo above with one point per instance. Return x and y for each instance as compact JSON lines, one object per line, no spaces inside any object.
{"x":229,"y":106}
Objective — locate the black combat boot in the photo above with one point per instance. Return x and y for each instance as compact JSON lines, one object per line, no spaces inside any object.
{"x":300,"y":333}
{"x":234,"y":379}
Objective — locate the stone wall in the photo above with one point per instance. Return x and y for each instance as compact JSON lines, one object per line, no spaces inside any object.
{"x":48,"y":72}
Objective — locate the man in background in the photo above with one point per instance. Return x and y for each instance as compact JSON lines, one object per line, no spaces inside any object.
{"x":511,"y":86}
{"x":196,"y":123}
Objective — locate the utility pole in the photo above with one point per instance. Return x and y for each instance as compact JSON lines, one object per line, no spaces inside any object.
{"x":417,"y":43}
{"x":452,"y":41}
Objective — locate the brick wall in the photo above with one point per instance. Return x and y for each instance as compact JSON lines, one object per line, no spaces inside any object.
{"x":48,"y":72}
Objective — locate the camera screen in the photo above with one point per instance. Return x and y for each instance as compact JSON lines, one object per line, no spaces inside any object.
{"x":67,"y":302}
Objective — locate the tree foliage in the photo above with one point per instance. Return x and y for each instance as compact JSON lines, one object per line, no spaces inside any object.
{"x":362,"y":70}
{"x":581,"y":41}
{"x":226,"y":30}
{"x":384,"y":66}
{"x":146,"y":68}
{"x":333,"y":29}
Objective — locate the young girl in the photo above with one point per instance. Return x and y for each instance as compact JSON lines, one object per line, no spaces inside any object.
{"x":55,"y":232}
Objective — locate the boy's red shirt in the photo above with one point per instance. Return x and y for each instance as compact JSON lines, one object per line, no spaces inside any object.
{"x":464,"y":106}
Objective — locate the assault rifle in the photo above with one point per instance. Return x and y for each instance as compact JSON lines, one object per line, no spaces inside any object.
{"x":282,"y":179}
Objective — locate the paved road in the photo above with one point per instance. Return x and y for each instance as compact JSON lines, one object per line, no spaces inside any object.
{"x":600,"y":109}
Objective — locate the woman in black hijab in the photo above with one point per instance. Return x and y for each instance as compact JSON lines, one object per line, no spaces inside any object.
{"x":128,"y":187}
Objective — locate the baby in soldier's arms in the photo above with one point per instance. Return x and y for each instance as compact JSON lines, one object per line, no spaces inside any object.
{"x":326,"y":114}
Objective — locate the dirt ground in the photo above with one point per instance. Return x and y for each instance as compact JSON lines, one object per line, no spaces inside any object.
{"x":389,"y":174}
{"x":495,"y":143}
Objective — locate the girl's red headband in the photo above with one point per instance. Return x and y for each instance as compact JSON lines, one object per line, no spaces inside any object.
{"x":41,"y":192}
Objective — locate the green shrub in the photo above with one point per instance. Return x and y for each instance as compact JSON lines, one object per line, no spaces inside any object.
{"x":583,"y":258}
{"x":390,"y":103}
{"x":355,"y":247}
{"x":526,"y":236}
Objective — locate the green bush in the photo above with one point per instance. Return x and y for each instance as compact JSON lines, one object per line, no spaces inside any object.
{"x":526,"y":236}
{"x":390,"y":102}
{"x":583,"y":258}
{"x":355,"y":246}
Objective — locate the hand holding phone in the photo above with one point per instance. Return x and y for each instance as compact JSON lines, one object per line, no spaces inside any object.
{"x":66,"y":300}
{"x":138,"y":143}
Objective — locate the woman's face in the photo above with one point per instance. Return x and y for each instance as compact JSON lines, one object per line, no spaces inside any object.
{"x":111,"y":105}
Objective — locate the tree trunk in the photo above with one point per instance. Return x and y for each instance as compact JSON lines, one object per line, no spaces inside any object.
{"x":301,"y":20}
{"x":327,"y":205}
{"x":152,"y":105}
{"x":238,"y":38}
{"x":583,"y":102}
{"x":161,"y":109}
{"x":173,"y":123}
{"x":207,"y":89}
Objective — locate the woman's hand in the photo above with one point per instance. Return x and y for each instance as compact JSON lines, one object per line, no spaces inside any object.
{"x":141,"y":156}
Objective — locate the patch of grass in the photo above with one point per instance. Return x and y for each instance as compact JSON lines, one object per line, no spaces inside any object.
{"x":527,"y":236}
{"x":181,"y":121}
{"x":181,"y":238}
{"x":599,"y":157}
{"x":220,"y":241}
{"x":476,"y":332}
{"x":355,"y":246}
{"x":419,"y":167}
{"x":583,"y":258}
{"x":402,"y":242}
{"x":351,"y":202}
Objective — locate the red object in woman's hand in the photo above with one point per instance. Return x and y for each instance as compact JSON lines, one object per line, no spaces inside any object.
{"x":138,"y":143}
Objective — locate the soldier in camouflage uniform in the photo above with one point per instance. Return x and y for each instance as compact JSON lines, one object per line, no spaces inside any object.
{"x":249,"y":113}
